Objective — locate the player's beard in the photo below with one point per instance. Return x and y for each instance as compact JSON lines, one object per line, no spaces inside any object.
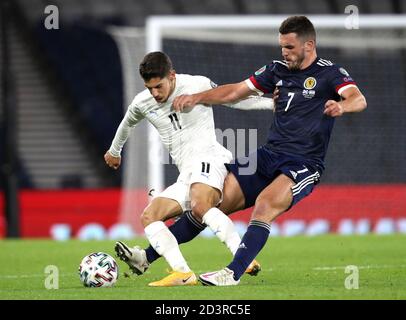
{"x":296,"y":65}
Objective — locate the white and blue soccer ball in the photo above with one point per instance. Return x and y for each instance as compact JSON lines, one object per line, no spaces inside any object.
{"x":98,"y":269}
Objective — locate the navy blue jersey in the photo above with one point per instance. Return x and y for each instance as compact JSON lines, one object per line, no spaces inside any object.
{"x":299,"y":126}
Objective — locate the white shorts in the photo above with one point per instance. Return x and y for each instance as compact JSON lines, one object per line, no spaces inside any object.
{"x":211,"y":172}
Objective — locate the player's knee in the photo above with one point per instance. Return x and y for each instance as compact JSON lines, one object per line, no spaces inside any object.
{"x":148,"y":217}
{"x":265,"y":211}
{"x":199,"y":208}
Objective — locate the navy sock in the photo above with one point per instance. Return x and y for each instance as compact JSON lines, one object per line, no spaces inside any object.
{"x":184,"y":229}
{"x":251,"y":244}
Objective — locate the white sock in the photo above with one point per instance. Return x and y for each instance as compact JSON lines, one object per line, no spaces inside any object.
{"x":223,"y":228}
{"x":165,"y":243}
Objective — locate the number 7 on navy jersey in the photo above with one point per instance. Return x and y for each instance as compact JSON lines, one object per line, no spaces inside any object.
{"x":291,"y":95}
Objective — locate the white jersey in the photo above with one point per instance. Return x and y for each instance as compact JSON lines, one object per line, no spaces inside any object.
{"x":189,"y":135}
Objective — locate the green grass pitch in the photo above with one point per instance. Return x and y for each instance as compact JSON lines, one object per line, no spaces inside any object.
{"x":292,"y":268}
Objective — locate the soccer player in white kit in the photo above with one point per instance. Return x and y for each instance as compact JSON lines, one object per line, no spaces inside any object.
{"x":191,"y":141}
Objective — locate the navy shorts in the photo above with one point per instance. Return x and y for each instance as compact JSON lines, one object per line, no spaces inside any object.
{"x":255,"y":172}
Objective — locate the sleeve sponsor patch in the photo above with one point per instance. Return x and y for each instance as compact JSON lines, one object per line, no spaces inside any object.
{"x":348,"y":79}
{"x":259,"y":71}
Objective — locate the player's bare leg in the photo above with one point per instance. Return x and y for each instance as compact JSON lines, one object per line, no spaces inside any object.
{"x":271,"y":202}
{"x":160,"y":209}
{"x":204,"y":200}
{"x":233,"y":198}
{"x":203,"y":197}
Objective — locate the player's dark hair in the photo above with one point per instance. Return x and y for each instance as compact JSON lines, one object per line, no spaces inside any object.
{"x":299,"y":25}
{"x":155,"y":65}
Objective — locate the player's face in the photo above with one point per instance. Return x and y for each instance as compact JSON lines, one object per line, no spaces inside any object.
{"x":293,"y":50}
{"x":161,"y":88}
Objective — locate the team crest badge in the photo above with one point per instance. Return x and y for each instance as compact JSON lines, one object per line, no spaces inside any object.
{"x":310,"y":83}
{"x":259,"y":71}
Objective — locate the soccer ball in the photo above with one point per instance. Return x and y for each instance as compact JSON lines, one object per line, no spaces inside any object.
{"x":98,"y":269}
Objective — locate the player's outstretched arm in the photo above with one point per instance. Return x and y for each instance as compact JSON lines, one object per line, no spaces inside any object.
{"x":255,"y":102}
{"x":228,"y":93}
{"x":354,"y":101}
{"x":113,"y":156}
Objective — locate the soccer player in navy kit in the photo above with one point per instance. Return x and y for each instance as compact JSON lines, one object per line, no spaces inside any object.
{"x":312,"y":93}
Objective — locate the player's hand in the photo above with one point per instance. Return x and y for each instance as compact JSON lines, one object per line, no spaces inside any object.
{"x":184,"y":101}
{"x":333,"y":109}
{"x":275,"y":95}
{"x":111,"y":161}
